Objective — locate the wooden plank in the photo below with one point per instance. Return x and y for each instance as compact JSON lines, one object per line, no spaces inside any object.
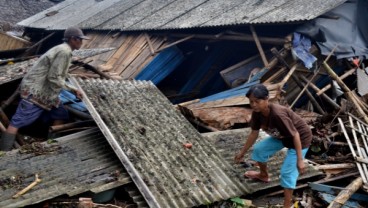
{"x":232,"y":101}
{"x":120,"y":66}
{"x":144,"y":59}
{"x":136,"y":49}
{"x":118,"y":53}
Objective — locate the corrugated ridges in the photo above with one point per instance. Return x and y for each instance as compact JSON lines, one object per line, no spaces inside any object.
{"x":15,"y":71}
{"x":147,"y":134}
{"x":139,"y":15}
{"x":230,"y":142}
{"x":86,"y":53}
{"x":80,"y":162}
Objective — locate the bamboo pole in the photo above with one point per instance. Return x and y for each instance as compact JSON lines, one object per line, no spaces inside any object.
{"x":345,"y":194}
{"x":336,"y":166}
{"x":352,"y":150}
{"x":259,"y":46}
{"x":305,"y":88}
{"x":324,"y":96}
{"x":360,"y":154}
{"x":297,"y":81}
{"x":310,"y":96}
{"x":346,"y":90}
{"x":342,"y":77}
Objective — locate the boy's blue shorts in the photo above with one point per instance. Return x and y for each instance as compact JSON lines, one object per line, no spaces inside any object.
{"x":289,"y":173}
{"x":27,"y":113}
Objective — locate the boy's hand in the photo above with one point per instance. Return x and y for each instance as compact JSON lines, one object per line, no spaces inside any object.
{"x":301,"y":166}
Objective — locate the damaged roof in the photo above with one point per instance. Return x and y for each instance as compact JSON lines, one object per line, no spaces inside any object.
{"x":75,"y":164}
{"x":16,"y":10}
{"x":147,"y":133}
{"x":14,"y":71}
{"x":132,"y":15}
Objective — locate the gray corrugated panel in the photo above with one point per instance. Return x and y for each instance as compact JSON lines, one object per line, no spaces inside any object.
{"x":147,"y":133}
{"x":17,"y":10}
{"x":136,"y":195}
{"x":230,"y":142}
{"x":130,"y":15}
{"x":15,"y":71}
{"x":86,"y":53}
{"x":75,"y":164}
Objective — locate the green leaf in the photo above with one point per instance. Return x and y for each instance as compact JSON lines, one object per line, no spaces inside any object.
{"x":315,"y":148}
{"x":238,"y":201}
{"x":51,"y":141}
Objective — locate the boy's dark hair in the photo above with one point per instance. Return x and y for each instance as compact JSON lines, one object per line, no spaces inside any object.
{"x":259,"y":91}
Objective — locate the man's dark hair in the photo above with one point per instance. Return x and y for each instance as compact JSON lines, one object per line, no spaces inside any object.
{"x":259,"y":91}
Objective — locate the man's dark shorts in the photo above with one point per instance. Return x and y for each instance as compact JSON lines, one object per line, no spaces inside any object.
{"x":27,"y":113}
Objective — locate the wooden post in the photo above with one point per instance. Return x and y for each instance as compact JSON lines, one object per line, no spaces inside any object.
{"x":259,"y":46}
{"x":345,"y":194}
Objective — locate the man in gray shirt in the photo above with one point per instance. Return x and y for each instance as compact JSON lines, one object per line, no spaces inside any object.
{"x":41,"y":86}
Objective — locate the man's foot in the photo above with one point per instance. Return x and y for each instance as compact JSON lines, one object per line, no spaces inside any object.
{"x":256,"y":176}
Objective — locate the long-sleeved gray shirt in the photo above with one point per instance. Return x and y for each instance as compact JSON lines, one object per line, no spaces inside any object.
{"x":46,"y":78}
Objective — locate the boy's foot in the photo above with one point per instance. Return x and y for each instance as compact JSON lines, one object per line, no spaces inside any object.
{"x":256,"y":176}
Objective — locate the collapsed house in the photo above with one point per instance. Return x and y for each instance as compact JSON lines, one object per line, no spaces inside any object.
{"x":202,"y":56}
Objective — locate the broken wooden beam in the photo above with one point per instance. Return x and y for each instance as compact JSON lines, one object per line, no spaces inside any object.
{"x":88,"y":123}
{"x":174,"y":43}
{"x":336,"y":166}
{"x":345,"y":194}
{"x":240,"y":37}
{"x":323,"y":95}
{"x":347,"y":91}
{"x":342,"y":77}
{"x":7,"y":102}
{"x":310,"y":96}
{"x":259,"y":46}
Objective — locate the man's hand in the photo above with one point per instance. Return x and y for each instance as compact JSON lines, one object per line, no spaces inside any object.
{"x":78,"y":94}
{"x":239,"y":157}
{"x":301,"y":167}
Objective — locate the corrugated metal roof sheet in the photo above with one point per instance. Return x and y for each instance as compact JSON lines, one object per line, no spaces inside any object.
{"x":11,"y":72}
{"x":75,"y":164}
{"x":15,"y":71}
{"x":17,"y":10}
{"x":230,"y":142}
{"x":147,"y":133}
{"x":131,"y":15}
